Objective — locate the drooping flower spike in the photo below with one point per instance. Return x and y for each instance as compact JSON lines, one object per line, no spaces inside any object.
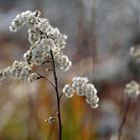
{"x":82,"y":87}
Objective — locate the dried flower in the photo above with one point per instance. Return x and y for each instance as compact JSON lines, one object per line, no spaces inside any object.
{"x":18,"y":70}
{"x":82,"y":87}
{"x":135,"y":52}
{"x":43,"y":38}
{"x":132,"y":89}
{"x":20,"y":20}
{"x":68,"y":91}
{"x":32,"y":77}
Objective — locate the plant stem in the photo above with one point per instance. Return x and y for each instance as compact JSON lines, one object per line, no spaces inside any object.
{"x":57,"y":96}
{"x":124,"y":118}
{"x":41,"y":76}
{"x":60,"y":96}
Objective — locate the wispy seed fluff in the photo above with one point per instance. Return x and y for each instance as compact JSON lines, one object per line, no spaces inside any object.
{"x":82,"y":87}
{"x":135,"y":52}
{"x":43,"y":38}
{"x":132,"y":89}
{"x":20,"y":71}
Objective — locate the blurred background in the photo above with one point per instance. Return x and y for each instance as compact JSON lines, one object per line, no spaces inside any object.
{"x":100,"y":34}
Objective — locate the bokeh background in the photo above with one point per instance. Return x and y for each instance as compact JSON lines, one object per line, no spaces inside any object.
{"x":100,"y":34}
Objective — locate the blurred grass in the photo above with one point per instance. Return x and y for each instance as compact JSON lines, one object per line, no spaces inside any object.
{"x":28,"y":119}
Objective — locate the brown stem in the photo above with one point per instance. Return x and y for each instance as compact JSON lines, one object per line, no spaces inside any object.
{"x":57,"y":96}
{"x":60,"y":96}
{"x":124,"y":118}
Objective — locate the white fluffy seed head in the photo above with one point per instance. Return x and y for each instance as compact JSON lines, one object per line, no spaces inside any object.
{"x":66,"y":66}
{"x":90,"y":88}
{"x":80,"y":79}
{"x":20,"y":20}
{"x":135,"y":53}
{"x":90,"y":94}
{"x":41,"y":31}
{"x":82,"y":87}
{"x":94,"y":106}
{"x":28,"y":56}
{"x":80,"y":91}
{"x":19,"y":70}
{"x":93,"y":100}
{"x":34,"y":35}
{"x":12,"y":29}
{"x":32,"y":77}
{"x":79,"y":82}
{"x":68,"y":91}
{"x":45,"y":44}
{"x":132,"y":89}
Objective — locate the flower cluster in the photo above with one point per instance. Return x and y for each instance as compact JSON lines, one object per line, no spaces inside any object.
{"x":37,"y":54}
{"x":43,"y":39}
{"x":19,"y":70}
{"x":82,"y":88}
{"x":135,"y":52}
{"x":132,"y":89}
{"x":20,"y":20}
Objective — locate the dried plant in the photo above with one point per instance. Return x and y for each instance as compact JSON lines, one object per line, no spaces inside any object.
{"x":47,"y":44}
{"x":132,"y":90}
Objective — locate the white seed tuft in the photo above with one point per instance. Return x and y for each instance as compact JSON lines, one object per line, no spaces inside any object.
{"x":82,"y":87}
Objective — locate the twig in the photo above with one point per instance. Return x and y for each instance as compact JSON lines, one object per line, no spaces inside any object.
{"x":40,"y":76}
{"x":60,"y":96}
{"x":50,"y":82}
{"x":57,"y":96}
{"x":124,"y":118}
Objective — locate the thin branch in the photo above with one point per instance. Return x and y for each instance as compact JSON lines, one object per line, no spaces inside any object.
{"x":57,"y":96}
{"x":50,"y":82}
{"x":40,"y":76}
{"x":60,"y":96}
{"x":124,"y":118}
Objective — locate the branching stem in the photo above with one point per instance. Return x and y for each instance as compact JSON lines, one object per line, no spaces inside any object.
{"x":60,"y":96}
{"x":40,"y":76}
{"x":57,"y":97}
